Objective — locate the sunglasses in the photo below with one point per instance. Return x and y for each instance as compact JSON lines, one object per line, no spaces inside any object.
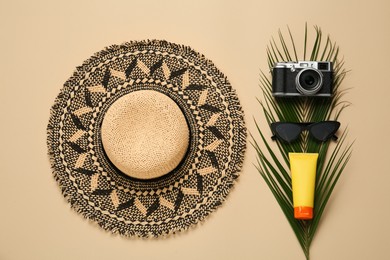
{"x":289,"y":132}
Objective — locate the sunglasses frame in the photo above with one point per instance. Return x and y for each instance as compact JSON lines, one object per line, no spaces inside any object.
{"x":304,"y":127}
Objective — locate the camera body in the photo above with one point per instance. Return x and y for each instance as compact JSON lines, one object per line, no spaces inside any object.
{"x":302,"y":78}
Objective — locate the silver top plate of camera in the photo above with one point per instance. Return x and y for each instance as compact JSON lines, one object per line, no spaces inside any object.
{"x":318,"y":65}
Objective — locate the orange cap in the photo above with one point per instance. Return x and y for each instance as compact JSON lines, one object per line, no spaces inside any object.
{"x":303,"y":212}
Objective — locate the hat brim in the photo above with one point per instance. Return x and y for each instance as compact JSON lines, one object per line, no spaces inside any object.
{"x":132,"y":207}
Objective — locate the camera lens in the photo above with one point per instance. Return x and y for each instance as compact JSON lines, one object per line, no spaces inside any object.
{"x":308,"y":81}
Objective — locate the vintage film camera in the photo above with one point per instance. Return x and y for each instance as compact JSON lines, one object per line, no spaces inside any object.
{"x":302,"y":78}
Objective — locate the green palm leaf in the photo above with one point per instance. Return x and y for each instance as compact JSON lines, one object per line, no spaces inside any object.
{"x":303,"y":109}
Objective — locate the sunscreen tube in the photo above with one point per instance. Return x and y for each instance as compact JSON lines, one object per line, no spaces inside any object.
{"x":303,"y":175}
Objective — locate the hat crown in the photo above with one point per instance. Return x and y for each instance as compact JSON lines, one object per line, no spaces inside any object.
{"x":145,"y":134}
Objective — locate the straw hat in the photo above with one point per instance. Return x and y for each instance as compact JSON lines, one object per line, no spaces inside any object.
{"x":146,"y":138}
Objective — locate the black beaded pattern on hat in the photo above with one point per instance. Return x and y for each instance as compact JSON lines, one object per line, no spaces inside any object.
{"x":174,"y":202}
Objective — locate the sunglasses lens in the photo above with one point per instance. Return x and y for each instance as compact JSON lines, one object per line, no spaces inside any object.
{"x":324,"y":130}
{"x":288,"y":132}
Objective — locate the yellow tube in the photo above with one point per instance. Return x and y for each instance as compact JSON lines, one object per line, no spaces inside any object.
{"x":303,"y":175}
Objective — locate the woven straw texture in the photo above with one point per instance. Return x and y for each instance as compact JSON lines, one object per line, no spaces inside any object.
{"x":93,"y":184}
{"x":145,"y":134}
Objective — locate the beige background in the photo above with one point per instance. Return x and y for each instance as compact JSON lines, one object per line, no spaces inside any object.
{"x":43,"y":41}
